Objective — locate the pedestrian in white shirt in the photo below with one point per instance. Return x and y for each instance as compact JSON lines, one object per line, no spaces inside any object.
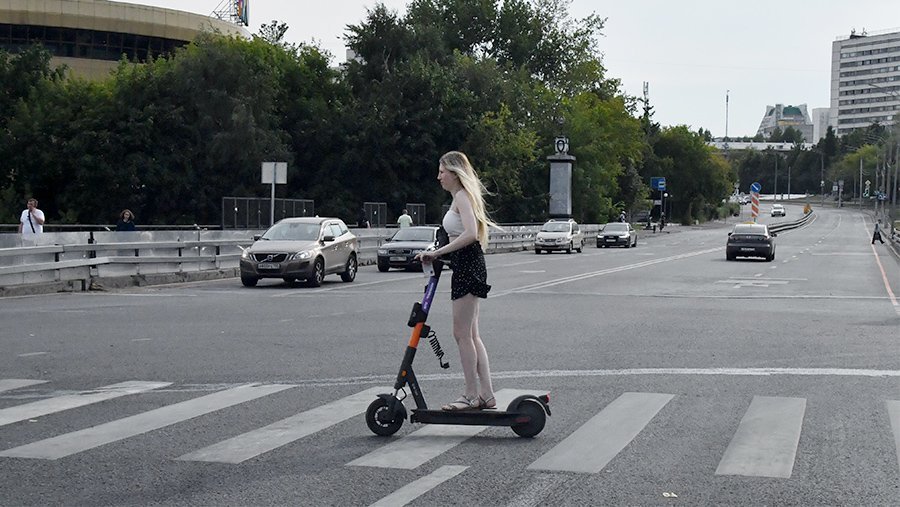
{"x":405,"y":220}
{"x":31,"y":223}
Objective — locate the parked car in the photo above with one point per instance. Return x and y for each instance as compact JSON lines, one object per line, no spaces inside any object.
{"x":750,"y":240}
{"x":302,"y":249}
{"x":401,"y":249}
{"x":616,"y":234}
{"x":559,"y":235}
{"x":778,"y":210}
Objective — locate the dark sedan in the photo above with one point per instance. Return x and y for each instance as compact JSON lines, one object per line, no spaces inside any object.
{"x":400,"y":251}
{"x":750,"y":240}
{"x":617,"y":234}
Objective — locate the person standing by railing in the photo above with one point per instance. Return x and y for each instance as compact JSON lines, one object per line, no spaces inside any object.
{"x":31,"y":222}
{"x":126,"y":221}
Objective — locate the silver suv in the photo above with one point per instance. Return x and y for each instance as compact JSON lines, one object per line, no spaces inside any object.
{"x":559,"y":235}
{"x":304,"y":249}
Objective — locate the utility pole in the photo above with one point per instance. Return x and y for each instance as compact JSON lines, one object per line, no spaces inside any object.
{"x":860,"y":182}
{"x":789,"y":182}
{"x":822,"y":176}
{"x":775,"y":194}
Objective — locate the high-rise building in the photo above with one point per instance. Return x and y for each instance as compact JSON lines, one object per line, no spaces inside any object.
{"x":91,"y":36}
{"x":821,"y":119}
{"x":781,"y":117}
{"x":865,"y":80}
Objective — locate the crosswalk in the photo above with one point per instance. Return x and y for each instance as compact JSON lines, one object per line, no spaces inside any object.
{"x":763,"y":444}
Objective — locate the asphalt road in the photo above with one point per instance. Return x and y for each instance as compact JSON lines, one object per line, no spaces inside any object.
{"x":675,"y":377}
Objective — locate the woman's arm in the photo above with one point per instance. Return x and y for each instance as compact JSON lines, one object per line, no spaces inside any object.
{"x":470,"y":230}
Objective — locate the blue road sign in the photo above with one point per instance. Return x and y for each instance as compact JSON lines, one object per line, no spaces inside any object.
{"x":755,"y":187}
{"x":657,"y":183}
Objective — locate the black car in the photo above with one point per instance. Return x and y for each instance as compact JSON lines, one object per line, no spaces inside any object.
{"x":750,"y":240}
{"x":400,"y":251}
{"x":617,"y":234}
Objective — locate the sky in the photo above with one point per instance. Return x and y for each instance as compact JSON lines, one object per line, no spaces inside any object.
{"x":692,"y":52}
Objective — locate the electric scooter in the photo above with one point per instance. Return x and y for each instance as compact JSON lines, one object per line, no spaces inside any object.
{"x":526,"y":414}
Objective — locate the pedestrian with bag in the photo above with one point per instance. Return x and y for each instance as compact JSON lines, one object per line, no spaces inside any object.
{"x":31,"y":222}
{"x":877,"y":233}
{"x":466,"y":224}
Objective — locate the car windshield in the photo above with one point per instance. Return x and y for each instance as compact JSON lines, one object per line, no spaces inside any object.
{"x":749,"y":229}
{"x":615,"y":227}
{"x":411,"y":234}
{"x":293,"y":231}
{"x":555,"y":227}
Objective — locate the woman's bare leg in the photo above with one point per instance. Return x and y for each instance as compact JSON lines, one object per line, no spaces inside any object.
{"x":483,"y":365}
{"x":464,"y":310}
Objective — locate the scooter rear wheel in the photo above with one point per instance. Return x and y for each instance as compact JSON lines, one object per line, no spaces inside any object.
{"x":536,"y":414}
{"x":380,"y":421}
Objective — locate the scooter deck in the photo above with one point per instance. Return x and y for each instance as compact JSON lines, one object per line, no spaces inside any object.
{"x":469,"y":417}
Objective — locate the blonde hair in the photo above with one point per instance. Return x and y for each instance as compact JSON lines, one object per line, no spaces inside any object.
{"x":457,"y":163}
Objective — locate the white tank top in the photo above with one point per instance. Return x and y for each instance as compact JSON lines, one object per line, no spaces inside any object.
{"x":453,"y":223}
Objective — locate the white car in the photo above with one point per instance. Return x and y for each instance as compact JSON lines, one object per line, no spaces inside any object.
{"x":778,"y":210}
{"x":559,"y":235}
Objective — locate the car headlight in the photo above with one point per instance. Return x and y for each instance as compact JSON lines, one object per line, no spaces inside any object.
{"x":300,"y":256}
{"x":245,"y":254}
{"x":382,"y":251}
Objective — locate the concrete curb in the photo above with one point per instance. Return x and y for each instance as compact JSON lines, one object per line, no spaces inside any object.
{"x":119,"y":282}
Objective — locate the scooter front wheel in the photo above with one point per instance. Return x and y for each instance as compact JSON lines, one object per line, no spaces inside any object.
{"x":381,"y":421}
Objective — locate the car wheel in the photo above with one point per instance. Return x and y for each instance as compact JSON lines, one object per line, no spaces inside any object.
{"x":537,"y":251}
{"x":288,"y":280}
{"x":349,"y":274}
{"x":580,"y":247}
{"x":569,"y":248}
{"x":249,"y":281}
{"x":318,"y":274}
{"x":635,"y":242}
{"x":771,"y":257}
{"x":730,"y":257}
{"x":599,"y":245}
{"x":383,"y":266}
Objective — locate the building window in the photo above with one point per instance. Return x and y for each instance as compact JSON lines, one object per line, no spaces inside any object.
{"x":82,"y":43}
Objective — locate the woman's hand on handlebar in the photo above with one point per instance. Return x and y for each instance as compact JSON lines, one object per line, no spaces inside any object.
{"x":427,"y":256}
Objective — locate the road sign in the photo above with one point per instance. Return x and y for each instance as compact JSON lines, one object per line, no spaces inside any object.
{"x":658,"y":183}
{"x":755,"y":187}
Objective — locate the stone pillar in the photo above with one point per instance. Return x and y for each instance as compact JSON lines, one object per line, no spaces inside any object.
{"x":561,"y":164}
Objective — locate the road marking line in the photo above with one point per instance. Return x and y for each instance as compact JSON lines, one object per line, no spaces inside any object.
{"x":59,"y":403}
{"x":584,"y":276}
{"x":252,"y":444}
{"x":31,"y":354}
{"x":79,"y":441}
{"x":538,"y":488}
{"x":8,"y":384}
{"x":884,"y":278}
{"x":431,"y":441}
{"x":311,"y":292}
{"x":893,"y":408}
{"x":766,"y":440}
{"x":419,"y":487}
{"x":593,"y":445}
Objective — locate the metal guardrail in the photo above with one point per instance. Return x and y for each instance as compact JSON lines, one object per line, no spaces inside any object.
{"x":783,"y":226}
{"x":76,"y":260}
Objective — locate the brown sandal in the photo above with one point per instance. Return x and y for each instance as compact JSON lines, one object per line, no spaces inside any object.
{"x":462,"y":403}
{"x":486,"y":403}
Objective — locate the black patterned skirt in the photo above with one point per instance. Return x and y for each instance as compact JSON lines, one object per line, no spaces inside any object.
{"x":469,"y":272}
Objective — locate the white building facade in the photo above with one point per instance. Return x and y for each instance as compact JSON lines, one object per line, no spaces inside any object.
{"x":865,"y":80}
{"x":781,"y":117}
